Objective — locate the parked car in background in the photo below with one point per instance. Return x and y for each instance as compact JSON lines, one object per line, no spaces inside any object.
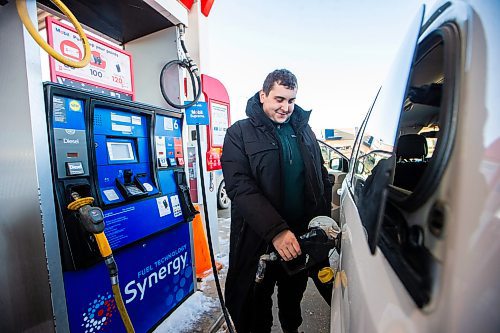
{"x":223,"y":200}
{"x":337,"y":165}
{"x":420,"y":214}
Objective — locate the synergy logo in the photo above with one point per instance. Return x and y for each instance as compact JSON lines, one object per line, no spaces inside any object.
{"x":148,"y":277}
{"x":75,"y":105}
{"x":99,"y":313}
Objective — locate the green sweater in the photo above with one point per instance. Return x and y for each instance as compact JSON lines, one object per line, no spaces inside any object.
{"x":293,"y":174}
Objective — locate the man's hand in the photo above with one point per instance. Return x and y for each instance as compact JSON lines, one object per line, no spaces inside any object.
{"x":287,"y":245}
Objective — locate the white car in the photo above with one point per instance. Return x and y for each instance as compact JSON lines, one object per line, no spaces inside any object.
{"x":223,"y":200}
{"x":337,"y":165}
{"x":420,"y":204}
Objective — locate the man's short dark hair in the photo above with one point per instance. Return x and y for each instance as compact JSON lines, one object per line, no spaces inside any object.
{"x":279,"y":76}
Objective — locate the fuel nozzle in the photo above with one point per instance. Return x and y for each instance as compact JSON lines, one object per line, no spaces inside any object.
{"x":261,"y":268}
{"x":316,"y":244}
{"x":92,"y":218}
{"x":328,"y":225}
{"x":330,"y":228}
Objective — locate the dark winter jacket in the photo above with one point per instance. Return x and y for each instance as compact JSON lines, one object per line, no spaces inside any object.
{"x":252,"y":165}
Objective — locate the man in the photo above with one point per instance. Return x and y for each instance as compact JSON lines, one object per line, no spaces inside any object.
{"x":277,"y":183}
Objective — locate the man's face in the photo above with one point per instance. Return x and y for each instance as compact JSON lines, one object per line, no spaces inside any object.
{"x":279,"y":104}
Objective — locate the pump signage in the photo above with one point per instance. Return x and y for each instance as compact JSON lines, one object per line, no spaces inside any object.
{"x":218,"y":101}
{"x":154,"y":278}
{"x":219,"y":123}
{"x":110,"y":68}
{"x":197,"y":114}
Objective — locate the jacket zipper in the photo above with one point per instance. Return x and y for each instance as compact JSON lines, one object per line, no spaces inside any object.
{"x":288,"y":146}
{"x":277,"y":141}
{"x":289,"y":150}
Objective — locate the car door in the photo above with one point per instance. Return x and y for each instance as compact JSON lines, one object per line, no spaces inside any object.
{"x":365,"y":288}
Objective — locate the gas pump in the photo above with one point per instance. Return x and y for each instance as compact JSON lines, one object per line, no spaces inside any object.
{"x":128,"y":157}
{"x":89,"y":176}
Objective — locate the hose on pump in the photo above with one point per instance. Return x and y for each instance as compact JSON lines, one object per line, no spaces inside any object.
{"x":92,"y":220}
{"x":22,"y":11}
{"x":194,"y":74}
{"x":209,"y":238}
{"x":190,"y":66}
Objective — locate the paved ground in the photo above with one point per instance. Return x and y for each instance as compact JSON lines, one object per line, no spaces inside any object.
{"x":315,"y":311}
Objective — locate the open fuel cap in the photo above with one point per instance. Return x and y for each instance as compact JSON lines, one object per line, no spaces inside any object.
{"x":326,"y":274}
{"x":326,"y":223}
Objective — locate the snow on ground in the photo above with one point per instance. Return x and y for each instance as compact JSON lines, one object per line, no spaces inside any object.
{"x":191,"y":311}
{"x":188,"y":313}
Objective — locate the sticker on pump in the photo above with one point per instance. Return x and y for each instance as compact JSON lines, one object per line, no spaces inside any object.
{"x":111,"y":195}
{"x":136,"y":120}
{"x":168,"y":124}
{"x":161,"y":148}
{"x":163,"y":206}
{"x":176,"y":205}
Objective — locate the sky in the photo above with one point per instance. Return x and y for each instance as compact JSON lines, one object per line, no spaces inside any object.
{"x":340,"y":51}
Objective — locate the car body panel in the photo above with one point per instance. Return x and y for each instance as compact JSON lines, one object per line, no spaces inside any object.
{"x":467,"y":294}
{"x":356,"y":258}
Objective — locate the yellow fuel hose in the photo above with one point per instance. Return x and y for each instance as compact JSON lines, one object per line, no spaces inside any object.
{"x":22,"y":10}
{"x":78,"y":203}
{"x":121,"y":307}
{"x":102,"y":243}
{"x":107,"y":255}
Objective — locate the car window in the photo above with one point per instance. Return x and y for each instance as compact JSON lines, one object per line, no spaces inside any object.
{"x":357,"y":141}
{"x":375,"y":157}
{"x":400,"y":165}
{"x":334,"y":161}
{"x":331,"y":155}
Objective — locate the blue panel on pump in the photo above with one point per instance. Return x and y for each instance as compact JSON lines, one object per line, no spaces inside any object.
{"x":130,"y":222}
{"x":155,"y":277}
{"x":68,"y":113}
{"x":123,"y":158}
{"x":167,"y":181}
{"x":168,"y":126}
{"x":114,"y":122}
{"x":144,"y":154}
{"x":168,"y":140}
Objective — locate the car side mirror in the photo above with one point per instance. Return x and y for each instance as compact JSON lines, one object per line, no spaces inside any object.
{"x":360,"y":167}
{"x":339,"y":164}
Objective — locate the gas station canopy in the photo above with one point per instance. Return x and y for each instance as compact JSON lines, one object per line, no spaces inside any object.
{"x":122,"y":21}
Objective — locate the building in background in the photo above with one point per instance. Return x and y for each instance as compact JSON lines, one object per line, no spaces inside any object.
{"x":339,"y":138}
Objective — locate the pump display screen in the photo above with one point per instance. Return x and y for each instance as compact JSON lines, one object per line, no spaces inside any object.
{"x":120,"y":151}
